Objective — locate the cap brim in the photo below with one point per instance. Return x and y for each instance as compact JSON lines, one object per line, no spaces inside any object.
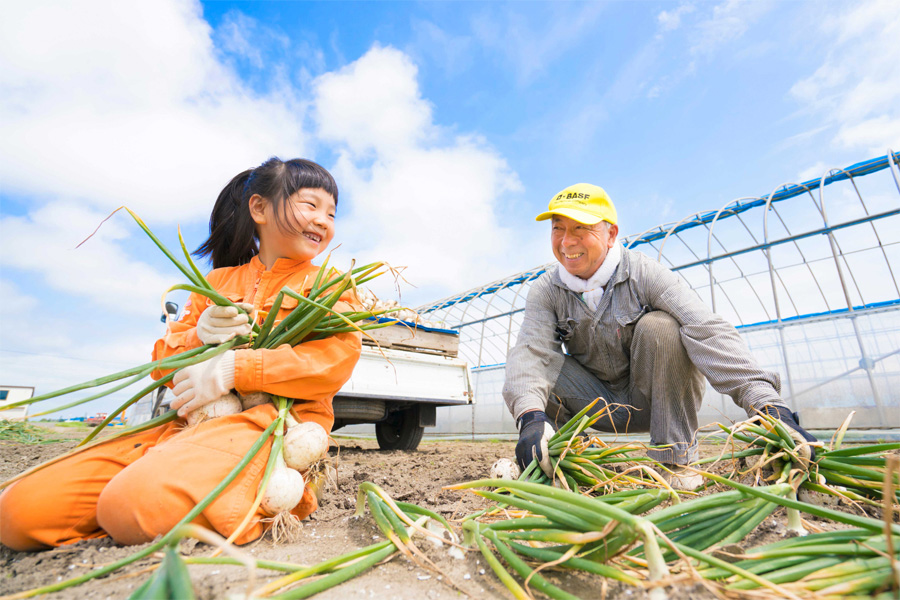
{"x":574,"y":214}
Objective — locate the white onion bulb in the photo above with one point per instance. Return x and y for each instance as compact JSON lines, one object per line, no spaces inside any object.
{"x":505,"y":468}
{"x":229,"y":404}
{"x":304,"y":445}
{"x":252,"y":399}
{"x":285,"y":490}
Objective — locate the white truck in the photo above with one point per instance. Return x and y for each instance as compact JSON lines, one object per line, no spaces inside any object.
{"x":398,"y":384}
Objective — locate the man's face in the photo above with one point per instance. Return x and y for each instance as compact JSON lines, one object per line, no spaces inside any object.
{"x":581,"y":248}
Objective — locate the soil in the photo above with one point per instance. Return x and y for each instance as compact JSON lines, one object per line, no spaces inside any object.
{"x":412,"y":476}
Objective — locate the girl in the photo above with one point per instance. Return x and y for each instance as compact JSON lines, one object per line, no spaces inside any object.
{"x":267,"y":225}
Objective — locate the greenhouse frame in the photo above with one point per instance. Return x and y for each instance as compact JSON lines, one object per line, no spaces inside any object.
{"x":808,"y":274}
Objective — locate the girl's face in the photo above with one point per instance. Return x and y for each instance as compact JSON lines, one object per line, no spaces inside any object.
{"x":311,"y":211}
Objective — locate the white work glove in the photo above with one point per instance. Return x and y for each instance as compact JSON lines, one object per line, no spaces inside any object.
{"x":202,"y":383}
{"x":218,"y":324}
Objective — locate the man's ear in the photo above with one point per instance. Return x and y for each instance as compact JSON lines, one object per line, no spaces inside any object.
{"x":257,"y":205}
{"x":613,"y":234}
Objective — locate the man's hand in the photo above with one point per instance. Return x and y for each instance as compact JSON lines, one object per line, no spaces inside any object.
{"x":792,"y":420}
{"x":202,"y":383}
{"x":535,"y":431}
{"x":218,"y":324}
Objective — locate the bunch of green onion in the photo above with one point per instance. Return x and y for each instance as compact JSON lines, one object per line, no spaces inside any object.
{"x":580,"y":461}
{"x":854,"y":473}
{"x":850,"y":561}
{"x":314,"y":318}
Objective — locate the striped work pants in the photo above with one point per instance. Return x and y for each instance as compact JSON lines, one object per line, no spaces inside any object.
{"x":662,"y":395}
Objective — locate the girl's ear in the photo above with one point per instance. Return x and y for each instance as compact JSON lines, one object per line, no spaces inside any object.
{"x":257,"y":205}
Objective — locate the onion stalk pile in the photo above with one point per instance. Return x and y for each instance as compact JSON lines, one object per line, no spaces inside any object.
{"x":585,"y":462}
{"x":850,"y":561}
{"x":853,"y":474}
{"x":623,"y":536}
{"x":397,"y":521}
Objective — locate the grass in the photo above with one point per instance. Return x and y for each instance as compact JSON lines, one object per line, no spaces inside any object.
{"x":24,"y":433}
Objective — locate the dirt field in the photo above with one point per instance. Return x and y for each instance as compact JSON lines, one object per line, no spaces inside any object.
{"x":410,"y":476}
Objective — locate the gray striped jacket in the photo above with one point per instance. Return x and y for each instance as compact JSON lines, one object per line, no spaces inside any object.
{"x":601,"y":341}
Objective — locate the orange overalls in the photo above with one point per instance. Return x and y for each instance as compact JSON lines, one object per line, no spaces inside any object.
{"x":138,"y":487}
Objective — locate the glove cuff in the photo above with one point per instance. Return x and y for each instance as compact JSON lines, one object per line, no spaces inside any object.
{"x":532,"y":416}
{"x":791,"y":419}
{"x":782,"y":413}
{"x":226,"y":370}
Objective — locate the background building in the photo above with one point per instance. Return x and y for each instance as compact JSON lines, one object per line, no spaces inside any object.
{"x":10,"y":394}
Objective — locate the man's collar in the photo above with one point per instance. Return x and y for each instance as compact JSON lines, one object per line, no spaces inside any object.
{"x":620,"y":274}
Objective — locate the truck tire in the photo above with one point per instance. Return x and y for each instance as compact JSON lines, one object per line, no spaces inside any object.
{"x":400,"y":431}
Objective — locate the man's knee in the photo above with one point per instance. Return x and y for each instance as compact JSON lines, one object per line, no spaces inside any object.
{"x":657,"y":342}
{"x":658,"y":356}
{"x":658,"y":327}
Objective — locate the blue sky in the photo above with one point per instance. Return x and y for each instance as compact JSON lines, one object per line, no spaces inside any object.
{"x":448,"y":127}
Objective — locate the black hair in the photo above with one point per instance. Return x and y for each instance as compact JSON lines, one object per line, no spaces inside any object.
{"x":233,"y":240}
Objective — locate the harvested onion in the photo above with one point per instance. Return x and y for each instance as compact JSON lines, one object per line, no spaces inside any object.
{"x":304,"y":445}
{"x":252,"y":399}
{"x":229,"y":404}
{"x":285,"y":490}
{"x":505,"y":468}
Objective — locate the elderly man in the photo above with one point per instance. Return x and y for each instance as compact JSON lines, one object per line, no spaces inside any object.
{"x":614,"y":324}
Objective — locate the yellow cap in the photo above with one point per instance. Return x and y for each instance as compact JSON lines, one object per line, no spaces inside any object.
{"x":583,"y":202}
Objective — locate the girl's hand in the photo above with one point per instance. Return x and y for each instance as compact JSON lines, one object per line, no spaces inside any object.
{"x":218,"y":324}
{"x":202,"y":383}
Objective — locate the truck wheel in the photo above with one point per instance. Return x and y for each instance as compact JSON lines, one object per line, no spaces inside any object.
{"x":400,"y":431}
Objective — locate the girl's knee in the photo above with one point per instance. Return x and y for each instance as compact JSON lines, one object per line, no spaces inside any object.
{"x":18,"y":524}
{"x":124,"y":507}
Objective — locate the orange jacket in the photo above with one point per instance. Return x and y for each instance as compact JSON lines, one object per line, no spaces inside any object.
{"x":311,"y":373}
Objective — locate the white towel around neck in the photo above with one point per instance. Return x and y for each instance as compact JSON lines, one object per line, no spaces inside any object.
{"x":591,"y":290}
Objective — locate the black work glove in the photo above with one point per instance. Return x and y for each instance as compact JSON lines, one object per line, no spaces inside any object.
{"x":792,"y":420}
{"x":535,"y":431}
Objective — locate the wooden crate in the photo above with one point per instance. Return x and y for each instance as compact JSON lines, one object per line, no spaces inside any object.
{"x":400,"y":337}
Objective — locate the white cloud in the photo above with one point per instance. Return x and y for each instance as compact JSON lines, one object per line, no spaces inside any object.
{"x":812,"y":172}
{"x":237,"y":35}
{"x":727,"y":23}
{"x":876,"y":134}
{"x":856,"y":90}
{"x":131,"y":106}
{"x":100,"y":270}
{"x":373,"y":104}
{"x":454,"y":53}
{"x":420,"y":197}
{"x":14,"y":303}
{"x":671,"y":20}
{"x":531,"y":49}
{"x":55,"y":365}
{"x":710,"y":28}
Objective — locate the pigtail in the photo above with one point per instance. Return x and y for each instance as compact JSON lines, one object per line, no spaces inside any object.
{"x":232,"y":237}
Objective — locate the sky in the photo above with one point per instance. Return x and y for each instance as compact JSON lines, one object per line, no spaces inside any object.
{"x":448,"y":126}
